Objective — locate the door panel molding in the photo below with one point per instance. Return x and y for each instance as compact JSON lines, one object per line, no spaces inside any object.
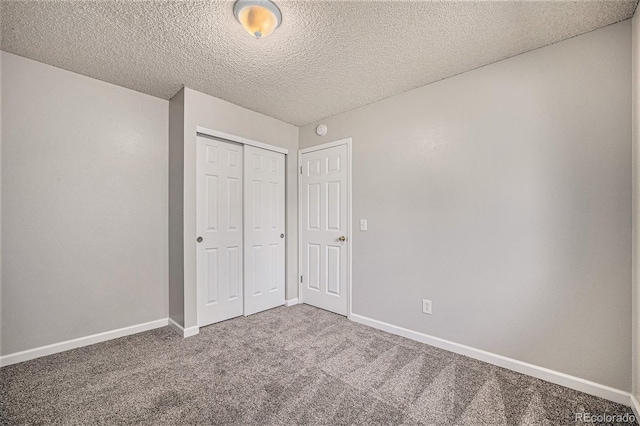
{"x":333,"y":167}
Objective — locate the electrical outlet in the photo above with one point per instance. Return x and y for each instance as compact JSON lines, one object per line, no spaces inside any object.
{"x":426,"y":306}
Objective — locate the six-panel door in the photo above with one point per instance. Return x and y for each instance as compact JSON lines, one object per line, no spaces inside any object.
{"x":219,"y":224}
{"x":324,"y":216}
{"x":264,"y":227}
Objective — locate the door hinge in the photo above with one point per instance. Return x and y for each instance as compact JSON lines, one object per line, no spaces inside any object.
{"x":300,"y":169}
{"x":300,"y":278}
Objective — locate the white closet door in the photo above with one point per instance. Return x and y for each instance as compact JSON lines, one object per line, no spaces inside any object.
{"x":219,"y":224}
{"x":264,"y":230}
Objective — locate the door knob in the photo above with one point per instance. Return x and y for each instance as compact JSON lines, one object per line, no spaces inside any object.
{"x":281,"y":235}
{"x":342,"y":238}
{"x":199,"y":239}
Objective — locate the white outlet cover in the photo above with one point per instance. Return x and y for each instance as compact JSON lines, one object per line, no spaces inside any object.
{"x":426,"y":306}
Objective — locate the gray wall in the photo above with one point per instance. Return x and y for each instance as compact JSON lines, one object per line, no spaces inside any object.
{"x":636,"y":208}
{"x":504,"y":196}
{"x":0,"y":193}
{"x":84,"y":206}
{"x":176,"y":223}
{"x":206,"y":111}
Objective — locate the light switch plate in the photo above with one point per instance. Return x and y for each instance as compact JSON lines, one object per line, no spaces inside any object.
{"x":363,"y":224}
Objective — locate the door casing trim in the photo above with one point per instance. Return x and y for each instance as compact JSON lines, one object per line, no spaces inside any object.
{"x":239,"y":139}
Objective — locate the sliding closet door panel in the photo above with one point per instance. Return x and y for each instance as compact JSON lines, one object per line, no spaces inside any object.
{"x":264,"y":229}
{"x":219,"y":223}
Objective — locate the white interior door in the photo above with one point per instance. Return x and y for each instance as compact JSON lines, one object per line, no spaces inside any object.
{"x":264,"y":226}
{"x":324,"y":228}
{"x":219,"y":224}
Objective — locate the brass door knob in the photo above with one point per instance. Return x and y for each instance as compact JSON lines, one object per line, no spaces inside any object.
{"x":342,"y":239}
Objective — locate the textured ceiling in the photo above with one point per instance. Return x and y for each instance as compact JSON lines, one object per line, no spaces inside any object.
{"x":327,"y":57}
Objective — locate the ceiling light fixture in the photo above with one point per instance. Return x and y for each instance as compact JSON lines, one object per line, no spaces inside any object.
{"x":259,"y":17}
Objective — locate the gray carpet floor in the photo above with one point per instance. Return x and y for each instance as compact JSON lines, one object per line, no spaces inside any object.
{"x":295,"y":365}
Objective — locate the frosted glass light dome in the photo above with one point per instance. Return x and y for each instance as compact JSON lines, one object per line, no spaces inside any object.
{"x":259,"y":17}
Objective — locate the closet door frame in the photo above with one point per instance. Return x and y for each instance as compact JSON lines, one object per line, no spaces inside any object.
{"x":239,"y":139}
{"x":243,"y":141}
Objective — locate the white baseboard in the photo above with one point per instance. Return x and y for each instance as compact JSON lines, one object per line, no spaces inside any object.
{"x":635,"y":406}
{"x":79,"y":342}
{"x":184,"y":332}
{"x":291,"y":302}
{"x":552,"y":376}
